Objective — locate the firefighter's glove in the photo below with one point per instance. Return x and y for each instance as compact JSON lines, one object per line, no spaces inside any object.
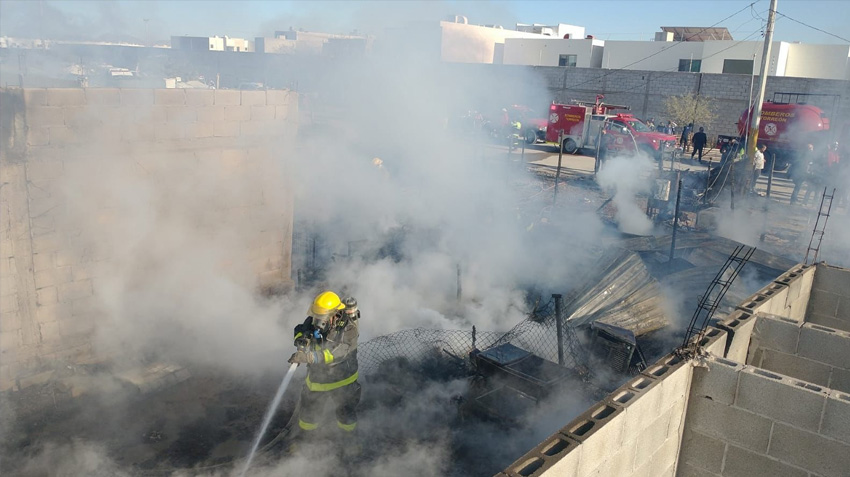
{"x":301,"y":357}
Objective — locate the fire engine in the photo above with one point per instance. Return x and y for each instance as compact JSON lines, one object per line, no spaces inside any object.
{"x":787,"y":126}
{"x":580,"y":125}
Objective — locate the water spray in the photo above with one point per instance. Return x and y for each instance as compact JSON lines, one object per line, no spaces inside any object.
{"x":268,"y":417}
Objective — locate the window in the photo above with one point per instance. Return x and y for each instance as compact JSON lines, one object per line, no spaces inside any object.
{"x":639,"y":126}
{"x":739,"y":67}
{"x":690,"y":65}
{"x":567,"y":60}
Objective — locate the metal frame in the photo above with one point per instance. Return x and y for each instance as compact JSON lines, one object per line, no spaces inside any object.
{"x":714,"y":294}
{"x":819,"y":232}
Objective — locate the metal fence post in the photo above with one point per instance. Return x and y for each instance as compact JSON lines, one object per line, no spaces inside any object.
{"x":459,"y":285}
{"x":559,"y":324}
{"x":558,"y":171}
{"x":676,"y":216}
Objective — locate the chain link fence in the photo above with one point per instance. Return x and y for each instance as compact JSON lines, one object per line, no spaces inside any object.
{"x":537,"y":334}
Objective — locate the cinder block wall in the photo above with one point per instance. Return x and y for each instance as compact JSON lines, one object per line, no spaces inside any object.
{"x":805,"y":351}
{"x":217,"y":153}
{"x":787,"y":297}
{"x":636,"y":430}
{"x":745,"y":421}
{"x":830,"y":301}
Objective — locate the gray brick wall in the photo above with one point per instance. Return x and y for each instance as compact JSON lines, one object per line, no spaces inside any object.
{"x":830,"y":300}
{"x":744,"y":421}
{"x":51,"y":274}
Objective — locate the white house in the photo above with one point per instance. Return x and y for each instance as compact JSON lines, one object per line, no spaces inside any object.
{"x":726,"y":56}
{"x":584,"y":53}
{"x":457,"y":41}
{"x":313,"y":43}
{"x":561,"y":30}
{"x":211,"y":43}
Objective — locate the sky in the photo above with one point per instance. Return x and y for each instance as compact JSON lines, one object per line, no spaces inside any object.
{"x":605,"y":19}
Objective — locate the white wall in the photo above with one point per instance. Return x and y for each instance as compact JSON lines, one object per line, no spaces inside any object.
{"x":665,"y":57}
{"x":461,"y":43}
{"x":818,"y":61}
{"x":786,"y":59}
{"x":558,"y":31}
{"x":714,"y":52}
{"x":575,"y":32}
{"x":546,"y":52}
{"x":231,"y":44}
{"x":216,"y":43}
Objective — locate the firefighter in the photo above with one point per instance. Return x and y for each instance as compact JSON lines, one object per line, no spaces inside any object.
{"x":758,"y":163}
{"x":327,"y":344}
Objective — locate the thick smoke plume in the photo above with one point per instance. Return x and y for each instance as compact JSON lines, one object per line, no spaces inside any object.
{"x":177,"y":285}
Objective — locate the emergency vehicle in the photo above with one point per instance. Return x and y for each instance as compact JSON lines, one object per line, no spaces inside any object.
{"x":582,"y":124}
{"x":786,"y":129}
{"x":532,"y":127}
{"x":787,"y":126}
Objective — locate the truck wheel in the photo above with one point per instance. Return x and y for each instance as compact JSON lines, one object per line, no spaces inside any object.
{"x":650,"y":152}
{"x":570,"y":146}
{"x":530,"y":136}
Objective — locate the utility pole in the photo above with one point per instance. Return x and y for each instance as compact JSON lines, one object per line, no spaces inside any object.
{"x":752,"y":135}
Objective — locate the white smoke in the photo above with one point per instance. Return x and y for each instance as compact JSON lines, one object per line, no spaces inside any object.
{"x":626,"y":177}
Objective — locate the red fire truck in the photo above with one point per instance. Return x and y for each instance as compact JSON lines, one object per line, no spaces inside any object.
{"x":786,"y":129}
{"x":581,"y":125}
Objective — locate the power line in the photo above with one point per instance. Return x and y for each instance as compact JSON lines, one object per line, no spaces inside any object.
{"x":813,"y":28}
{"x":675,"y":44}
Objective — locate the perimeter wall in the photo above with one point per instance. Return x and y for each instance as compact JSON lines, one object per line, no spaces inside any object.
{"x":102,"y":187}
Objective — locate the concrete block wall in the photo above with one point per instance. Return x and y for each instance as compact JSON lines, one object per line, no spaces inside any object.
{"x":634,"y":431}
{"x":746,"y":421}
{"x":804,"y":351}
{"x":738,"y":327}
{"x":220,"y":151}
{"x":787,"y":296}
{"x":830,"y":298}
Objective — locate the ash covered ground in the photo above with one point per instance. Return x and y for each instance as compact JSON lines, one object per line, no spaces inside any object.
{"x":412,"y":420}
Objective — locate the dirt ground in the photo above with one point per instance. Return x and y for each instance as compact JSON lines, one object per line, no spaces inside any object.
{"x":204,"y":422}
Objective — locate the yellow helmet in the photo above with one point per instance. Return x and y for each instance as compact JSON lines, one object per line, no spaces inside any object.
{"x":326,"y":303}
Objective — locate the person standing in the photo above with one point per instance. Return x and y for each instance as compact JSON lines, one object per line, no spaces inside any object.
{"x":799,"y":173}
{"x":758,"y":165}
{"x":686,"y":132}
{"x":327,"y":343}
{"x":836,"y":174}
{"x":699,"y":141}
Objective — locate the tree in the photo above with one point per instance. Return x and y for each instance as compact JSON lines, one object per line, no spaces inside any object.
{"x":690,"y":108}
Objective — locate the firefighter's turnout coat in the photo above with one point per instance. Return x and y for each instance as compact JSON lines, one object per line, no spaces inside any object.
{"x":333,"y":374}
{"x":336,"y":352}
